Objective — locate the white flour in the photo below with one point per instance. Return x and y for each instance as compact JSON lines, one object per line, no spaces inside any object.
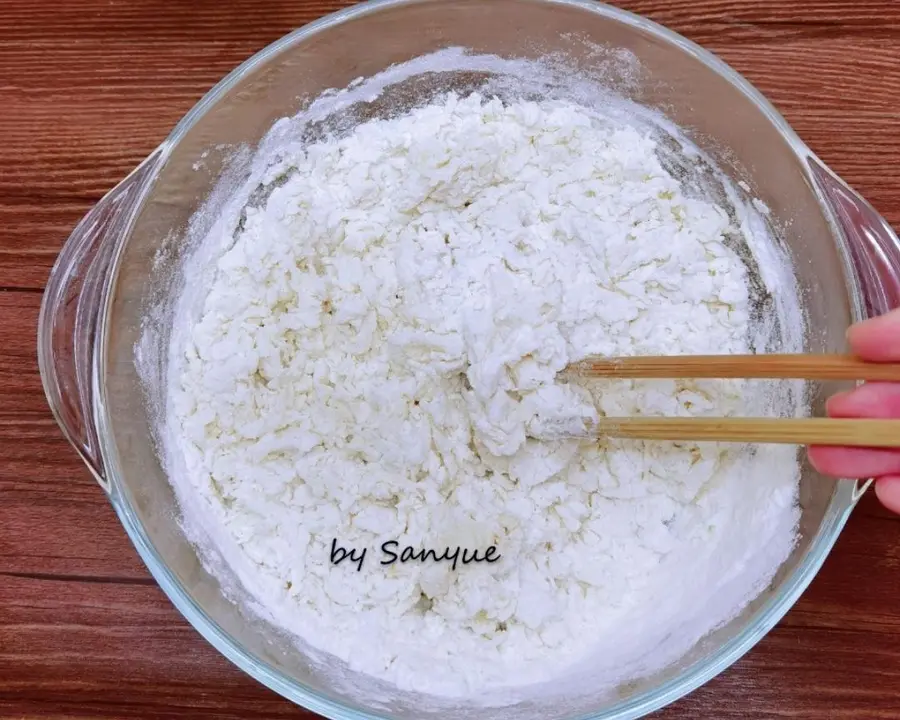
{"x":378,"y":348}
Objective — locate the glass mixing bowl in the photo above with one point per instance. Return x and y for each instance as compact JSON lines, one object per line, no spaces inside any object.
{"x":122,"y":255}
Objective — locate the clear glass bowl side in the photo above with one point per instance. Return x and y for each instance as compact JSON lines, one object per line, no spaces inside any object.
{"x":70,"y":314}
{"x":872,"y":244}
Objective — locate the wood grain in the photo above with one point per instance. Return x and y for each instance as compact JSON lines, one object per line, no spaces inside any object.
{"x":90,"y":87}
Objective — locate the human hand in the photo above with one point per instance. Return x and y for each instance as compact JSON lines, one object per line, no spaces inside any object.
{"x":876,"y":340}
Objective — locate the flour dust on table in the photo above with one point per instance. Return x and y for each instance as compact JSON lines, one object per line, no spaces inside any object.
{"x":367,"y":356}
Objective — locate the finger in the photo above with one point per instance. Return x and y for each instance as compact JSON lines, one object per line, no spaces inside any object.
{"x":888,"y":491}
{"x":853,"y":462}
{"x":877,"y":339}
{"x":876,"y":400}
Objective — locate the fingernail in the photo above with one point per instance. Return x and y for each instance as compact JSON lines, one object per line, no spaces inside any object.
{"x":837,"y":397}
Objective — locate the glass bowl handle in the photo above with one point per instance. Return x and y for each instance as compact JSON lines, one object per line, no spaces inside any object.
{"x":70,"y":312}
{"x":874,"y":249}
{"x":873,"y":244}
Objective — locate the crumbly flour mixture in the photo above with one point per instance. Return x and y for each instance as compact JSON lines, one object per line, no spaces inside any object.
{"x":376,"y":359}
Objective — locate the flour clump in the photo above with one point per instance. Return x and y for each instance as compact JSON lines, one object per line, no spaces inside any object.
{"x":376,"y":359}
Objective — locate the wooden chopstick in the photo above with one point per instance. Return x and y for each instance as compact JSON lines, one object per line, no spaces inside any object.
{"x":811,"y":367}
{"x":790,"y":431}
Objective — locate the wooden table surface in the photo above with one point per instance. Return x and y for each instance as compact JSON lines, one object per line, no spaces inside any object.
{"x":88,"y":88}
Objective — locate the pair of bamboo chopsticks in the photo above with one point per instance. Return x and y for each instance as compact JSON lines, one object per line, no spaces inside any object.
{"x":793,"y":431}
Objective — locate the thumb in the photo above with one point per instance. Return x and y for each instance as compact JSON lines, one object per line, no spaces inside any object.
{"x":888,"y":491}
{"x":877,"y":339}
